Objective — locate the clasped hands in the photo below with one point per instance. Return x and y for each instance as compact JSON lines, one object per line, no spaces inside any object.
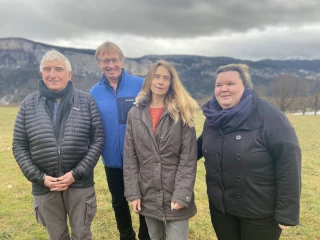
{"x":60,"y":183}
{"x":136,"y":205}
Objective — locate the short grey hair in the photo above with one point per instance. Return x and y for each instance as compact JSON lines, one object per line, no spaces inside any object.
{"x":243,"y":71}
{"x":55,"y":55}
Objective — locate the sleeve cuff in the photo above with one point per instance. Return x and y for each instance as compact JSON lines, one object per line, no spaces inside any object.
{"x":75,"y":175}
{"x":43,"y":178}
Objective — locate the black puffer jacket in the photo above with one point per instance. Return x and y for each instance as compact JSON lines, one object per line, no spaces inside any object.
{"x":38,"y":152}
{"x":254,"y":171}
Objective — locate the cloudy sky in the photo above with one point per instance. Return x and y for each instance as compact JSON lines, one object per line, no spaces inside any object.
{"x":246,"y":29}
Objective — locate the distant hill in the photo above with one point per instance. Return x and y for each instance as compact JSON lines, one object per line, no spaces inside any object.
{"x":20,"y":59}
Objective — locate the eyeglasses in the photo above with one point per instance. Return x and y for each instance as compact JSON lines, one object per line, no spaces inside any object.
{"x":113,"y":60}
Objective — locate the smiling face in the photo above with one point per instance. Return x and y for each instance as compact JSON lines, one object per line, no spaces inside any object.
{"x":55,"y":74}
{"x":160,"y":82}
{"x":229,"y":89}
{"x":111,"y":65}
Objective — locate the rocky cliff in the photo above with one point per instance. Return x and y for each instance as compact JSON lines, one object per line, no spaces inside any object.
{"x":20,"y":59}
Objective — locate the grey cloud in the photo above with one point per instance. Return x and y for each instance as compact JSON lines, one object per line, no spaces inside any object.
{"x":165,"y":18}
{"x":200,"y":27}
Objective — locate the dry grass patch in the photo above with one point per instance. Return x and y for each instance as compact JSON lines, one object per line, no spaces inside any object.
{"x":17,"y":221}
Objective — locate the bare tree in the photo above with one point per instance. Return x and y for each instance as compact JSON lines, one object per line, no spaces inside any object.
{"x":316,"y":102}
{"x":315,"y":98}
{"x":262,"y":91}
{"x":303,"y":93}
{"x":284,"y":89}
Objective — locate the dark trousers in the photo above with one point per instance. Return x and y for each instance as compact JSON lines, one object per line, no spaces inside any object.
{"x":121,"y":208}
{"x":228,"y":227}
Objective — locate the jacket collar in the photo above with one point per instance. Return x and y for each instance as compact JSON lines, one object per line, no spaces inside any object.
{"x":144,"y":103}
{"x":254,"y":119}
{"x":147,"y":120}
{"x":104,"y":80}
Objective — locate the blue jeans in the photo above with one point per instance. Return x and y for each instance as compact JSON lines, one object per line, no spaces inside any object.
{"x":168,"y":230}
{"x":121,"y":208}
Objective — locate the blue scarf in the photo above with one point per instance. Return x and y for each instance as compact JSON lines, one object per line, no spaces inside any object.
{"x":231,"y":118}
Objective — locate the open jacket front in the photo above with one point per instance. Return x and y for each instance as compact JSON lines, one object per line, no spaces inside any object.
{"x":160,"y":168}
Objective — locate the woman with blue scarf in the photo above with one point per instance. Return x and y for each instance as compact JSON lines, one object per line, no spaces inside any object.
{"x":252,"y":160}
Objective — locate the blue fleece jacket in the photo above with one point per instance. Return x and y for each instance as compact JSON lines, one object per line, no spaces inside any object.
{"x":114,"y":108}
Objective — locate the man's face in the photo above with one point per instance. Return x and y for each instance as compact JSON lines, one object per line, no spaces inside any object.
{"x":111,"y":65}
{"x":55,"y":75}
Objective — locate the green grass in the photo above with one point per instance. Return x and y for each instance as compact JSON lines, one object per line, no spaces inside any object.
{"x":18,"y":222}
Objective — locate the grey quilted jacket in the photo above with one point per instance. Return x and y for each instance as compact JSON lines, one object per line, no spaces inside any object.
{"x":78,"y":148}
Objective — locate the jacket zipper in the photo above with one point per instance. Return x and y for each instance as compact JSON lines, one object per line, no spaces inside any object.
{"x":60,"y":173}
{"x":122,"y":116}
{"x":115,"y":95}
{"x":59,"y":161}
{"x":157,"y":144}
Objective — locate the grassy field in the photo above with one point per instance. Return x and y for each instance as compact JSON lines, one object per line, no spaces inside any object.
{"x":18,"y":222}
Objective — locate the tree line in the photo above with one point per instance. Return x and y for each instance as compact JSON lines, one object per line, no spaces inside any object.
{"x":292,"y":93}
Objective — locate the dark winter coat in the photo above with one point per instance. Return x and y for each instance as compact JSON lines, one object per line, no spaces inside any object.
{"x":78,"y":148}
{"x":160,"y":168}
{"x":254,"y":171}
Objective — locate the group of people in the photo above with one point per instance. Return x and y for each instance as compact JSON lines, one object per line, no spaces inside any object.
{"x":144,"y":129}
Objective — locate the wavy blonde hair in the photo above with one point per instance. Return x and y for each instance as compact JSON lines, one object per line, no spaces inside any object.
{"x":178,"y":101}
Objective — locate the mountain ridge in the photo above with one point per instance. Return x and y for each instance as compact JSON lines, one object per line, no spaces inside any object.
{"x":20,"y":59}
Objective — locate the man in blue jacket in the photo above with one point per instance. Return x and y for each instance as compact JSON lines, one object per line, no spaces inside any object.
{"x":115,"y":94}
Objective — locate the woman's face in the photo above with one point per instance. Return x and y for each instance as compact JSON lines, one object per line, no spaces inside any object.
{"x":229,"y":89}
{"x":161,"y":82}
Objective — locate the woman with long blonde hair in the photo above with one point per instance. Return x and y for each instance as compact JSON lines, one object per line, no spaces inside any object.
{"x":160,"y":154}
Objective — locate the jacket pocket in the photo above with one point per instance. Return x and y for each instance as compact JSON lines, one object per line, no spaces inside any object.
{"x":91,"y":208}
{"x":146,"y":182}
{"x":124,"y":104}
{"x":261,"y":180}
{"x":39,"y":215}
{"x":261,"y":195}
